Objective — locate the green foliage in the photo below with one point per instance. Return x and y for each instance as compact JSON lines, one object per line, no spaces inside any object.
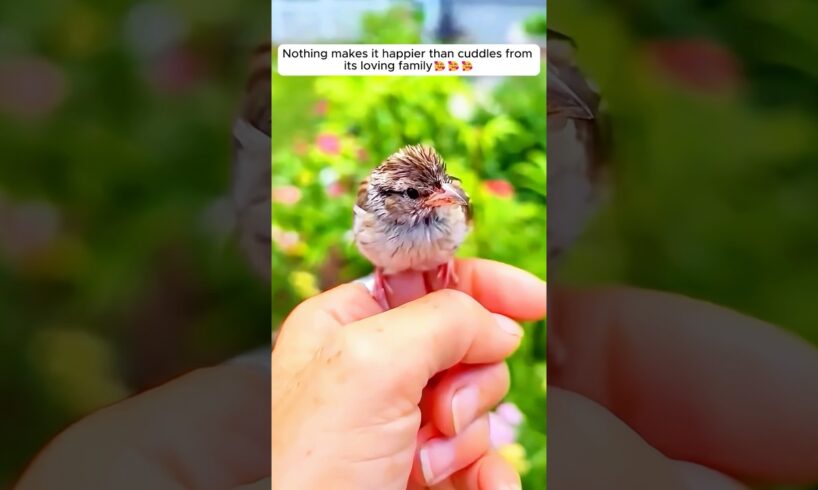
{"x":715,"y":188}
{"x":536,"y":25}
{"x":131,"y":168}
{"x":398,"y":25}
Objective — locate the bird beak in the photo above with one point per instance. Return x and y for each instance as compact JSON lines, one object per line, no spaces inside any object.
{"x":448,"y":195}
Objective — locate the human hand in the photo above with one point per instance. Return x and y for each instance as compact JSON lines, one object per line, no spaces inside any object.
{"x":656,"y":390}
{"x":208,"y":429}
{"x":211,"y":428}
{"x":349,"y":381}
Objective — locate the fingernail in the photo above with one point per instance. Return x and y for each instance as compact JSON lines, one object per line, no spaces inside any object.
{"x":509,"y":325}
{"x":436,"y":460}
{"x":465,"y":403}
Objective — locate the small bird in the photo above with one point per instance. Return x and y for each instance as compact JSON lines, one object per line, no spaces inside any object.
{"x":578,"y":175}
{"x":411,"y":214}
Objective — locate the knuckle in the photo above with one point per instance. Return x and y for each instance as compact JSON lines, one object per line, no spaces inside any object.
{"x":358,"y":349}
{"x":452,"y":298}
{"x":503,"y":377}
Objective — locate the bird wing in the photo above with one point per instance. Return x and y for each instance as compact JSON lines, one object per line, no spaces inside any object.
{"x":569,"y":92}
{"x":360,"y":201}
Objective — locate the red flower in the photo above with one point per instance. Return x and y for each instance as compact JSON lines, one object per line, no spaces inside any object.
{"x":362,"y":154}
{"x":499,"y":187}
{"x":328,"y":143}
{"x":697,"y":63}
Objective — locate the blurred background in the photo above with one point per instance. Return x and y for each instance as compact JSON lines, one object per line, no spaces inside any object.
{"x":118,"y":263}
{"x":328,"y":133}
{"x":712,"y":117}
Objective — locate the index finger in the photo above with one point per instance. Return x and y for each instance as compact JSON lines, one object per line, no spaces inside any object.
{"x":659,"y":360}
{"x":500,"y":288}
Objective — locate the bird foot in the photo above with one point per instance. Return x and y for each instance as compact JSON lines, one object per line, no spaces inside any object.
{"x":380,"y":289}
{"x":446,"y":273}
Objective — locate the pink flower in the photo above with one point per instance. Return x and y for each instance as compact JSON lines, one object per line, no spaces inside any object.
{"x":510,"y":413}
{"x":362,"y":154}
{"x":288,"y":194}
{"x":31,"y":88}
{"x":499,"y":187}
{"x":321,"y":107}
{"x":175,"y":71}
{"x":503,"y":423}
{"x":328,"y":143}
{"x":28,"y":228}
{"x":287,"y":241}
{"x":700,"y":64}
{"x":335,"y":189}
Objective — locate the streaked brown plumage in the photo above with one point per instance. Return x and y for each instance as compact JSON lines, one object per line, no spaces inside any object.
{"x":576,"y":174}
{"x":251,"y":191}
{"x":411,"y":214}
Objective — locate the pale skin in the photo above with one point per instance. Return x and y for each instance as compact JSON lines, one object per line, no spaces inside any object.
{"x":395,"y":433}
{"x":221,"y":435}
{"x":682,"y":391}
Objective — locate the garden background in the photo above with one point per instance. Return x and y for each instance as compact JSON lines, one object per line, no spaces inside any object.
{"x":714,"y":117}
{"x":118,"y":263}
{"x":329,"y":132}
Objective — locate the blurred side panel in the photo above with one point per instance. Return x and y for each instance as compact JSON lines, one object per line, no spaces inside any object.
{"x":122,"y":263}
{"x":682,"y":337}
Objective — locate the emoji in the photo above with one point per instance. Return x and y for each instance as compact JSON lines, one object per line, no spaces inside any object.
{"x":439,"y":66}
{"x":466,"y":65}
{"x":453,"y":66}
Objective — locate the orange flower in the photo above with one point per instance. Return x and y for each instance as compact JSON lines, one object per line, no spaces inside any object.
{"x":288,"y":194}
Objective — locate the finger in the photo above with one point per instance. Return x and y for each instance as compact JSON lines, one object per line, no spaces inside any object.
{"x":502,"y":288}
{"x":671,"y":359}
{"x":499,"y":287}
{"x":149,"y":437}
{"x":588,"y":447}
{"x":698,"y":476}
{"x":265,"y":484}
{"x":439,"y":457}
{"x":426,"y":403}
{"x":490,"y":472}
{"x":465,"y":393}
{"x":311,"y":322}
{"x":428,"y":335}
{"x":341,"y":305}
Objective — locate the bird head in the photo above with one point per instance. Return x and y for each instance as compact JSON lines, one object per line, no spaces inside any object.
{"x":412,"y":183}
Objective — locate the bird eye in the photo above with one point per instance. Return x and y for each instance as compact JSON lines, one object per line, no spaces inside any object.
{"x":412,"y":193}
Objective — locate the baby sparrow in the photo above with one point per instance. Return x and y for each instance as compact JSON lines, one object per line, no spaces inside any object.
{"x":410,"y":215}
{"x":577,"y":171}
